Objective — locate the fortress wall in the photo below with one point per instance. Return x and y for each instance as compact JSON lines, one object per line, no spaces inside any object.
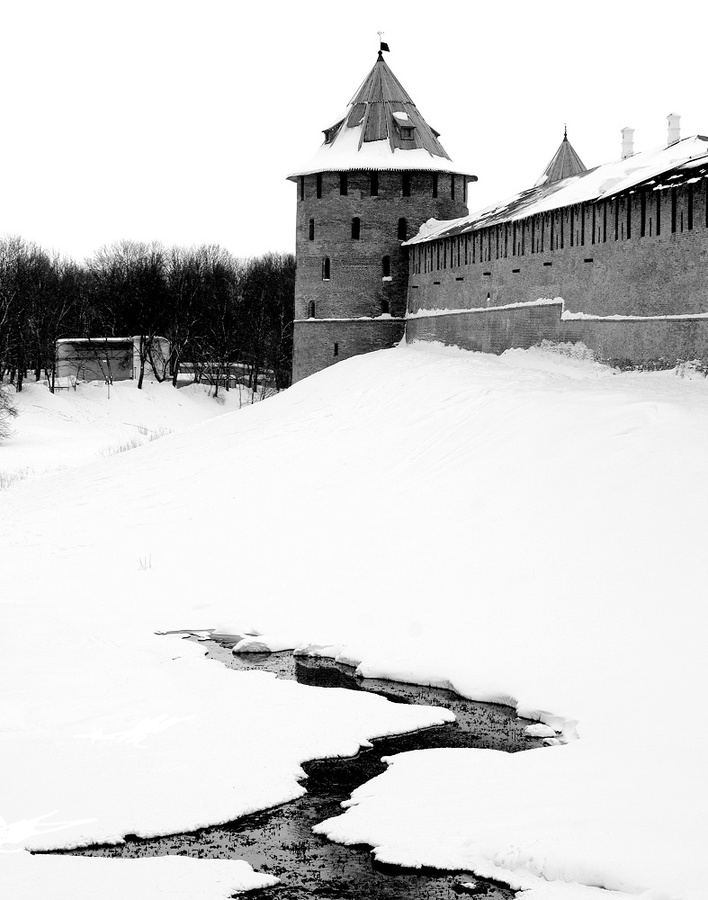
{"x":627,"y":342}
{"x":603,"y":258}
{"x":490,"y":331}
{"x":356,"y":286}
{"x":314,"y":341}
{"x":640,"y":342}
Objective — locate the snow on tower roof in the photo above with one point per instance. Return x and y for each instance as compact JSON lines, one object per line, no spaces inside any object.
{"x":565,"y":163}
{"x":686,"y":160}
{"x":380,"y":130}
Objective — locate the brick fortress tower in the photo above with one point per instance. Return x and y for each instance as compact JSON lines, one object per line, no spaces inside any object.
{"x":379,"y":175}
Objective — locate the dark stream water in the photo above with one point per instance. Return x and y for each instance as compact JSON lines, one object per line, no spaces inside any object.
{"x":280,"y":840}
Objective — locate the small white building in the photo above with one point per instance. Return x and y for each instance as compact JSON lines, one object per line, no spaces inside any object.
{"x":110,"y":358}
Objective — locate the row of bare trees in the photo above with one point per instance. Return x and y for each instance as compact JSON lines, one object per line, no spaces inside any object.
{"x":216,"y":311}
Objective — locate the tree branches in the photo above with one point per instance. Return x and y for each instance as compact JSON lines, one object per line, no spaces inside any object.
{"x":218,"y":313}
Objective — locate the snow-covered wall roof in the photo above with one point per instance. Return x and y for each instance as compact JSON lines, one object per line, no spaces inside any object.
{"x":96,"y":340}
{"x":599,"y":183}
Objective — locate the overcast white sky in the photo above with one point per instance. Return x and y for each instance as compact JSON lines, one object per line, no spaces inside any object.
{"x":178,"y":121}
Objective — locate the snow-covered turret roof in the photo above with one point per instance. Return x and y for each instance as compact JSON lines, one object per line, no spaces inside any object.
{"x":686,"y":160}
{"x":565,"y":163}
{"x":381,"y":129}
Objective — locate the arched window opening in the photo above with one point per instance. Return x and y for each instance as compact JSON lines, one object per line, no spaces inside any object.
{"x":311,"y":309}
{"x":343,"y":184}
{"x":452,"y":187}
{"x":336,"y":349}
{"x":435,"y":184}
{"x":384,"y":307}
{"x":402,"y":229}
{"x":406,"y":184}
{"x":319,"y":186}
{"x":386,"y":266}
{"x":356,"y":228}
{"x":302,"y":187}
{"x":311,"y":234}
{"x":325,"y":269}
{"x":374,"y":184}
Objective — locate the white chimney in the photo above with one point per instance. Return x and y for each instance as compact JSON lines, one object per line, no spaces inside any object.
{"x":674,"y":129}
{"x":627,"y":142}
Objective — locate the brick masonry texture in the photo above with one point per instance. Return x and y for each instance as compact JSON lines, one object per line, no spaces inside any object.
{"x":646,"y":342}
{"x":644,"y":253}
{"x":651,"y":342}
{"x":356,"y":286}
{"x":314,"y":341}
{"x":489,"y":331}
{"x":640,"y":275}
{"x":603,"y":259}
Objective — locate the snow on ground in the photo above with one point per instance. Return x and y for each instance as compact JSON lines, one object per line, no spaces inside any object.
{"x":69,"y":428}
{"x":527,"y":528}
{"x":179,"y":878}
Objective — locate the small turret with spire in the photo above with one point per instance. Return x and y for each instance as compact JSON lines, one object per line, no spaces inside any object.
{"x":565,"y":163}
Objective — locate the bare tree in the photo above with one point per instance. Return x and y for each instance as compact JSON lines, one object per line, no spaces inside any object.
{"x":220,"y":343}
{"x":225,"y":316}
{"x":185,"y":286}
{"x":268,"y":308}
{"x":7,"y":412}
{"x":130,"y":285}
{"x":29,"y":282}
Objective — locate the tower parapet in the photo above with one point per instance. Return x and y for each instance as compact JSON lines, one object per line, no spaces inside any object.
{"x":379,"y":175}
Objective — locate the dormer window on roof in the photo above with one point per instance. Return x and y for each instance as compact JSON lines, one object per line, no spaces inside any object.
{"x":404,"y":124}
{"x":331,"y":132}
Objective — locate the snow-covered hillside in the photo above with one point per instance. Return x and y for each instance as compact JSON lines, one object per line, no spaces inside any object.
{"x":527,"y":528}
{"x":71,"y":427}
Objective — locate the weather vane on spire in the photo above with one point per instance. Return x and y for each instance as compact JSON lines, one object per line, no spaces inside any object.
{"x":382,"y":44}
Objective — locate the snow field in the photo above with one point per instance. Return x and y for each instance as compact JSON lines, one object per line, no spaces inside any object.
{"x":525,"y":528}
{"x":69,"y":428}
{"x":28,"y":877}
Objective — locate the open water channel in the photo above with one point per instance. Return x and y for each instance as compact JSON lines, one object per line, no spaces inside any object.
{"x":280,"y":840}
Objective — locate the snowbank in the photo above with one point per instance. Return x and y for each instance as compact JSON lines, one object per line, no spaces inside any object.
{"x":525,"y":528}
{"x":27,"y":878}
{"x":69,"y":428}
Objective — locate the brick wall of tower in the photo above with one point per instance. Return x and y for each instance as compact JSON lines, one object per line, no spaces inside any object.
{"x":322,"y":343}
{"x":356,"y":286}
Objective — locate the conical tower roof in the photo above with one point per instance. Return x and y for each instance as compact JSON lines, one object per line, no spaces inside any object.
{"x":381,"y":129}
{"x":565,"y":163}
